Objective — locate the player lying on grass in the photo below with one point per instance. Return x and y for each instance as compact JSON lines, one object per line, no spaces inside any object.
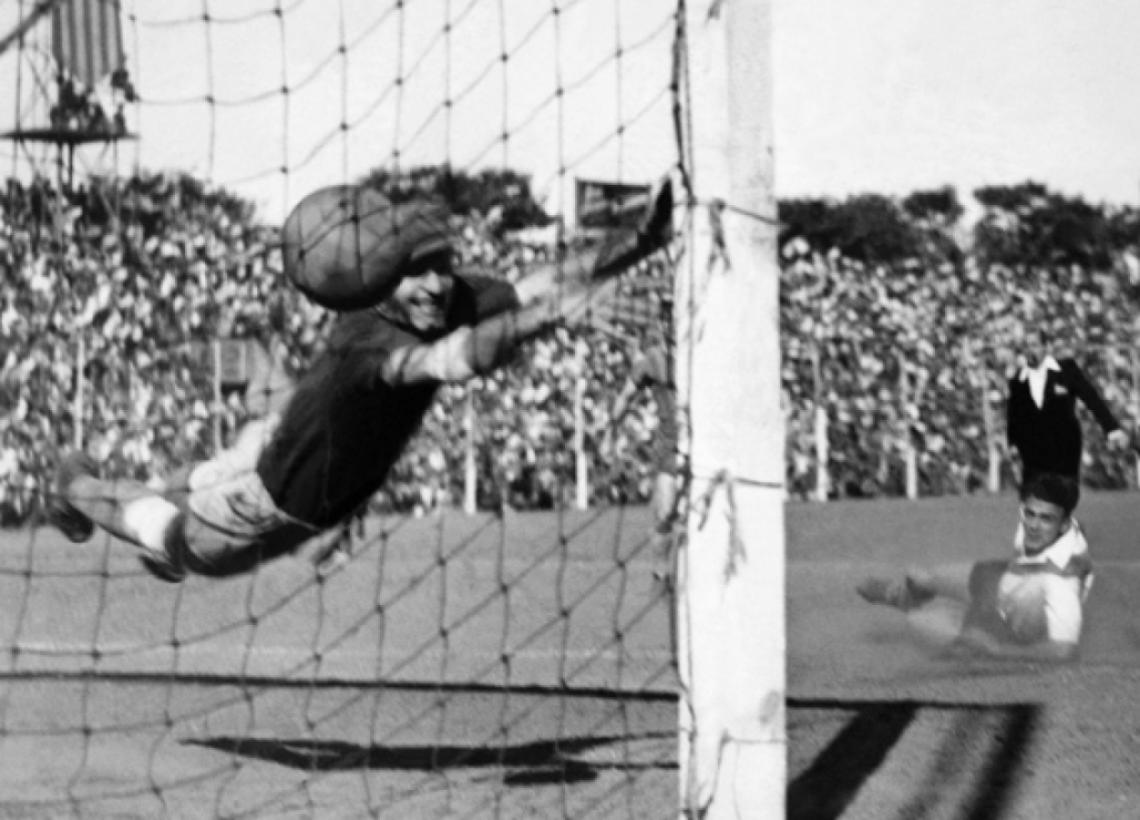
{"x":306,"y":469}
{"x":1028,"y":607}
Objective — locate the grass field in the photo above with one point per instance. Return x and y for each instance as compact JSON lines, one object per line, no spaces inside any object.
{"x":472,"y":667}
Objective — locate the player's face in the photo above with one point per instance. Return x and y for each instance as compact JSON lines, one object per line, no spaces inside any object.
{"x":424,"y":298}
{"x":1044,"y":523}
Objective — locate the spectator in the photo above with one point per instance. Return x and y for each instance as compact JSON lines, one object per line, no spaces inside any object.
{"x":147,"y":271}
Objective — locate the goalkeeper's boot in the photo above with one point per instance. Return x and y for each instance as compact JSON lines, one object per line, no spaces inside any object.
{"x":61,"y":513}
{"x":906,"y":593}
{"x":163,"y":570}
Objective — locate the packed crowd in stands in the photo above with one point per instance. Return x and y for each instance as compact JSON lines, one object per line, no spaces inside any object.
{"x":111,"y":296}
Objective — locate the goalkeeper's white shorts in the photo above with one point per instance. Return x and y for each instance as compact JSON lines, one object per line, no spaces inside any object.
{"x":233,"y":522}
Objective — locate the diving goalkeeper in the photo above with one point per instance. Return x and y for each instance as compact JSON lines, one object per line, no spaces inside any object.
{"x":302,"y":471}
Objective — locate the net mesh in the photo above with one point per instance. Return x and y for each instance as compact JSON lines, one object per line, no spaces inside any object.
{"x":514,"y":661}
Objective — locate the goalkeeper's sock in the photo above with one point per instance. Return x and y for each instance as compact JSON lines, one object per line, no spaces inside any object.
{"x":156,"y":526}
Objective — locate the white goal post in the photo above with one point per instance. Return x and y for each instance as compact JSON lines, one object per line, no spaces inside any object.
{"x":731,"y":583}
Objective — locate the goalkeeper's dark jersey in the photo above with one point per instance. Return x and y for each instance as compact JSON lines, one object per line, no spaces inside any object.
{"x":345,"y":426}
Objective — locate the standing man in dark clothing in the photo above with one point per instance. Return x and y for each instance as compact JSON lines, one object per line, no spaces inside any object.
{"x":1041,"y":420}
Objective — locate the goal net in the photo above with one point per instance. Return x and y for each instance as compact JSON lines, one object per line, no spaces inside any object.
{"x":488,"y":638}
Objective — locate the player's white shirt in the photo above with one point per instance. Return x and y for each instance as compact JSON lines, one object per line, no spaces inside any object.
{"x":1050,"y":573}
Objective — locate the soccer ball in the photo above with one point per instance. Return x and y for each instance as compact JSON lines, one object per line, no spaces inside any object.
{"x":346,"y":247}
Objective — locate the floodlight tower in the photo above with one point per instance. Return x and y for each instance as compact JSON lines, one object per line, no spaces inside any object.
{"x":71,"y":82}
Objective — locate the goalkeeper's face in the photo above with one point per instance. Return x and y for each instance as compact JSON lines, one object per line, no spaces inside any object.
{"x":423,"y":298}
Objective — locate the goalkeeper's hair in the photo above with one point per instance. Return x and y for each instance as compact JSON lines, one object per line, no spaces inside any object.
{"x":1054,"y":488}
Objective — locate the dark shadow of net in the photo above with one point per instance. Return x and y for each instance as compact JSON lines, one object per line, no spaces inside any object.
{"x":526,"y":764}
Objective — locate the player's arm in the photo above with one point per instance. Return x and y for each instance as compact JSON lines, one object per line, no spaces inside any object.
{"x":1084,"y":390}
{"x":493,"y":295}
{"x":474,"y":350}
{"x":556,"y":293}
{"x":621,"y":249}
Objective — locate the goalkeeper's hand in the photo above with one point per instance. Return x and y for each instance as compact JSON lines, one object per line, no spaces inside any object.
{"x":1119,"y":439}
{"x":621,"y":249}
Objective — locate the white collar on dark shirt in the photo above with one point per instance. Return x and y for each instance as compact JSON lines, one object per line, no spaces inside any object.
{"x":1036,"y":377}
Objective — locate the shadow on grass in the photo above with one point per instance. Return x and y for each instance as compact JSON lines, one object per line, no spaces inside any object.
{"x":828,"y":787}
{"x":526,"y":764}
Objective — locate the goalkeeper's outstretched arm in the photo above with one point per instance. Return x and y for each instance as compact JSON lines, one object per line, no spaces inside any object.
{"x":478,"y":349}
{"x":620,"y":250}
{"x":552,"y":294}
